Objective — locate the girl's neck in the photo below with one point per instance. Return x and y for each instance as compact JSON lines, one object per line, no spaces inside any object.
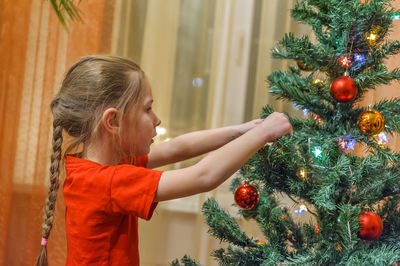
{"x":102,"y":151}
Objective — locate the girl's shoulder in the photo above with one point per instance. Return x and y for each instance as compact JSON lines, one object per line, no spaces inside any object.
{"x":140,"y":161}
{"x":75,"y":159}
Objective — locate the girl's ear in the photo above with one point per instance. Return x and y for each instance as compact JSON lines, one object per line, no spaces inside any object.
{"x":110,"y":121}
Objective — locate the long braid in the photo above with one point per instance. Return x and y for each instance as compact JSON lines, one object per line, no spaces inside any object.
{"x":50,"y":203}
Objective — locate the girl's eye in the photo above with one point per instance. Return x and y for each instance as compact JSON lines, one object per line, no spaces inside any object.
{"x":148,"y":109}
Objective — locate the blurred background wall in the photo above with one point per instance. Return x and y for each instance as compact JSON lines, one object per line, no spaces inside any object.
{"x":207,"y":61}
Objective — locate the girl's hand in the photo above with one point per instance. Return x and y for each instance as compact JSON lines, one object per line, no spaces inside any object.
{"x":243,"y":128}
{"x":276,"y":125}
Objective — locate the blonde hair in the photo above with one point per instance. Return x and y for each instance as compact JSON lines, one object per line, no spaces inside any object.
{"x":91,"y":85}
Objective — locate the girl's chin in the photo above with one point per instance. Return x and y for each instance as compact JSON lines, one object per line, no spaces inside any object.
{"x":143,"y":152}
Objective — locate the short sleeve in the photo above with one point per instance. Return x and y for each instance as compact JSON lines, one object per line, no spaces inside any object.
{"x":133,"y":189}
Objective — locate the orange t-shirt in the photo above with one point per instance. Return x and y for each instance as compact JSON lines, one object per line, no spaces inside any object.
{"x":103,"y":203}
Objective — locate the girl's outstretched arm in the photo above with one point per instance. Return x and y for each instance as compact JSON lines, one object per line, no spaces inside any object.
{"x":219,"y":165}
{"x":196,"y":143}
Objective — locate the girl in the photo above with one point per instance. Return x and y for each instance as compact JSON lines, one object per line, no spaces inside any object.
{"x":105,"y":104}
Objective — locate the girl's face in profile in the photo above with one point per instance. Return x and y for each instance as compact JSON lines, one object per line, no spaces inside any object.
{"x":139,"y":125}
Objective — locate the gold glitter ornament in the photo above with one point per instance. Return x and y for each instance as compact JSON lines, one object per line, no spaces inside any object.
{"x":371,"y":123}
{"x":318,"y":82}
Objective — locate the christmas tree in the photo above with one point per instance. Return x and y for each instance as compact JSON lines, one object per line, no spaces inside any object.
{"x":352,"y":196}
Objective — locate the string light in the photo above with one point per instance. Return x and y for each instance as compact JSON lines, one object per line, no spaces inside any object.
{"x":382,"y":139}
{"x":317,"y":151}
{"x":372,"y":35}
{"x":345,"y":61}
{"x":342,"y":144}
{"x":302,"y":209}
{"x":317,"y":230}
{"x":359,"y":58}
{"x":305,"y":111}
{"x":302,"y":174}
{"x":396,"y":16}
{"x":347,"y":143}
{"x":350,"y":144}
{"x":318,"y":118}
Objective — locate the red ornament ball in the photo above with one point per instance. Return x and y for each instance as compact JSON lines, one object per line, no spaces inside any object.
{"x":246,"y":196}
{"x":343,"y":89}
{"x":371,"y":226}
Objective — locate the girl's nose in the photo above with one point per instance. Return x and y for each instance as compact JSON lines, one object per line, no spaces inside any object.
{"x":158,"y":121}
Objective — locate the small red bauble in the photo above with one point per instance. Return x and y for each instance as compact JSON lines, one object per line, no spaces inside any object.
{"x":371,"y":226}
{"x":246,"y":196}
{"x":343,"y":89}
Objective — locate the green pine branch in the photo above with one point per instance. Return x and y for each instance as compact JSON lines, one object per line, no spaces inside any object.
{"x":232,"y":256}
{"x":387,"y":49}
{"x":375,"y":76}
{"x":185,"y":261}
{"x":381,"y":255}
{"x":301,"y":49}
{"x":303,"y":12}
{"x":223,"y":226}
{"x":390,"y":109}
{"x":299,"y":90}
{"x":66,"y":8}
